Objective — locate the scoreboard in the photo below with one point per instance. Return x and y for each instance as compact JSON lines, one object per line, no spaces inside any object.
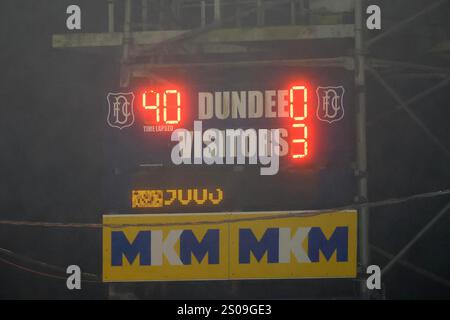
{"x":231,"y":140}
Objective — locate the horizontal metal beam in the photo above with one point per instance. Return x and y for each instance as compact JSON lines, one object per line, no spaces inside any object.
{"x":201,"y":48}
{"x":391,"y":64}
{"x":143,"y":70}
{"x":442,"y":48}
{"x":232,"y":35}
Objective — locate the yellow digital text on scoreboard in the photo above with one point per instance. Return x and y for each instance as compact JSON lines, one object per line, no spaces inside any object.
{"x":222,"y":246}
{"x":158,"y":198}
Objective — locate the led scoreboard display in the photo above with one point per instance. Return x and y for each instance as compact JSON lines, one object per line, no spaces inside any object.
{"x":270,"y":139}
{"x":162,"y":110}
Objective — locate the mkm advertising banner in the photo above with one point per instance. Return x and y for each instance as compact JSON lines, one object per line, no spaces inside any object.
{"x":222,"y":246}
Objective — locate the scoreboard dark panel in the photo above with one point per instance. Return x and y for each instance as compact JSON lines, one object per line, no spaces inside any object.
{"x":265,"y":139}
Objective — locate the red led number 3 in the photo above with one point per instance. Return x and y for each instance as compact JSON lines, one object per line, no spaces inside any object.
{"x":171,"y":105}
{"x":299,"y":112}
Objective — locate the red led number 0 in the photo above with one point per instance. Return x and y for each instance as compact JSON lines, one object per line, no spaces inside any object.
{"x":171,"y":105}
{"x":298,"y":113}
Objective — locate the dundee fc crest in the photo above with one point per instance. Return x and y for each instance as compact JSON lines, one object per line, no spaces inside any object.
{"x":330,"y":107}
{"x":120,"y":110}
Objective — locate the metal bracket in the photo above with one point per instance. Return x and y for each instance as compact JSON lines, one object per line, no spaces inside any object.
{"x":360,"y":88}
{"x":360,"y":174}
{"x":360,"y":200}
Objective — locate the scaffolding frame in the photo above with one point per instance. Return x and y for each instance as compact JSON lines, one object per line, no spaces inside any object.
{"x":217,"y":37}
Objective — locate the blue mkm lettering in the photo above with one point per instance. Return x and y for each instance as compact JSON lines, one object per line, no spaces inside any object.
{"x":249,"y":244}
{"x":189,"y":245}
{"x":120,"y":246}
{"x":338,"y":242}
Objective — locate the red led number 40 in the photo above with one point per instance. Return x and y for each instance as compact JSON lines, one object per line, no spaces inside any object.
{"x":167,"y":101}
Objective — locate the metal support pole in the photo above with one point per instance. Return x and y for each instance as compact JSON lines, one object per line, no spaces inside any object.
{"x":203,"y":13}
{"x":127,"y":30}
{"x":117,"y":290}
{"x":238,"y":14}
{"x":415,"y":239}
{"x":304,"y":11}
{"x":144,"y":15}
{"x":161,"y":15}
{"x":260,"y":13}
{"x":125,"y":70}
{"x":293,"y":12}
{"x":361,"y":147}
{"x":176,"y":13}
{"x":110,"y":15}
{"x":217,"y":13}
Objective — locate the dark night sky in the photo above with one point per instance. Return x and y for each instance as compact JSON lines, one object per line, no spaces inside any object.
{"x":52,"y":163}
